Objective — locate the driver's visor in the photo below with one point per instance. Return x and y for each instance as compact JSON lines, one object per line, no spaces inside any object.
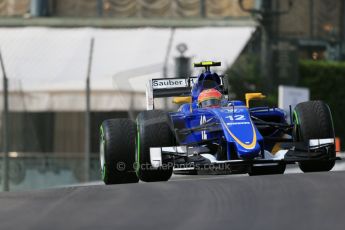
{"x":209,"y":103}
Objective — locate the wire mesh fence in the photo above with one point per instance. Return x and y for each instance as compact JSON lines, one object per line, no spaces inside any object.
{"x":46,"y":71}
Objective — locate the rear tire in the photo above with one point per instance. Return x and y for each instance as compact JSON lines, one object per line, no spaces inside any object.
{"x":154,"y":130}
{"x":117,"y":151}
{"x":313,"y":120}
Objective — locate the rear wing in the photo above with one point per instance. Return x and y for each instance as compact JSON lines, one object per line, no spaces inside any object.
{"x":169,"y":87}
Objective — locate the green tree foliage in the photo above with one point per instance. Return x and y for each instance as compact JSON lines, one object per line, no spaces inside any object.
{"x":326,"y":81}
{"x":244,"y":77}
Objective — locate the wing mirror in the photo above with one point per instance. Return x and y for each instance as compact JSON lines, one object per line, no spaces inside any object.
{"x":182,"y":100}
{"x":253,"y":96}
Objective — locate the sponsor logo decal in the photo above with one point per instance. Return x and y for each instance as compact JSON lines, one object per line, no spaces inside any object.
{"x":203,"y":133}
{"x":193,"y":80}
{"x":239,"y":119}
{"x":168,"y":83}
{"x":238,"y":123}
{"x":246,"y":145}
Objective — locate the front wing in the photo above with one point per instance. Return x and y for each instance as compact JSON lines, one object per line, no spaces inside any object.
{"x":182,"y":157}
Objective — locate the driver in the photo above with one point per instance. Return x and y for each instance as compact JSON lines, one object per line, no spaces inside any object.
{"x":209,"y":98}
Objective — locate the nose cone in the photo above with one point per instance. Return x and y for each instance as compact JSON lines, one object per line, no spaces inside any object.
{"x":239,"y":129}
{"x":245,"y":137}
{"x":248,"y":153}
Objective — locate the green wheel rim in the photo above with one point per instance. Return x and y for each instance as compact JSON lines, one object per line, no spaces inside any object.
{"x":137,"y":158}
{"x":297,"y":124}
{"x":102,"y":155}
{"x":296,"y":117}
{"x":104,"y":173}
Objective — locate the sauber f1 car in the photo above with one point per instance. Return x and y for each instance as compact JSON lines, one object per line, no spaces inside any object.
{"x":223,"y":137}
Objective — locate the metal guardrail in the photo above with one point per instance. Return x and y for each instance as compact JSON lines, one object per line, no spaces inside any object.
{"x":28,"y":171}
{"x":48,"y":155}
{"x":126,"y":22}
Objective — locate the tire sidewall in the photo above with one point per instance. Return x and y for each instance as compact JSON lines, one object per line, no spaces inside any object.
{"x":117,"y":146}
{"x":307,"y":126}
{"x":147,"y":123}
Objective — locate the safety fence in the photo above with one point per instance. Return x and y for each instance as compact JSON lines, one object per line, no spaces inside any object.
{"x":30,"y":171}
{"x":46,"y":71}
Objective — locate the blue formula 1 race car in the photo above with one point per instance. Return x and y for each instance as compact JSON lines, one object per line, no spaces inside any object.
{"x":210,"y":134}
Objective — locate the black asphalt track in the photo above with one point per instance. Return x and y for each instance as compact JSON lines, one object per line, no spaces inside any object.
{"x":292,"y":201}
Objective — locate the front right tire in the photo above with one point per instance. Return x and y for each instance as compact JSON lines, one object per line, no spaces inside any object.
{"x":117,"y":151}
{"x":313,"y":120}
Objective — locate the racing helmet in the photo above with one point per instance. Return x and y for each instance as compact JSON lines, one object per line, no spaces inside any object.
{"x":209,"y":98}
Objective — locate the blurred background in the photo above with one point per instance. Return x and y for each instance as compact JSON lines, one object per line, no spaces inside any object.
{"x":68,"y":65}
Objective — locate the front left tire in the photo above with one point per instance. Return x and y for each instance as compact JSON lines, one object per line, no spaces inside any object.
{"x":154,"y":130}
